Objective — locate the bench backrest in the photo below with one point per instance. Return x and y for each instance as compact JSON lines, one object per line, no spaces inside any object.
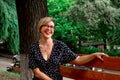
{"x":110,"y":67}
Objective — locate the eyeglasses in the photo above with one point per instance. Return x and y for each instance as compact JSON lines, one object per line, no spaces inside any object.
{"x":48,"y":26}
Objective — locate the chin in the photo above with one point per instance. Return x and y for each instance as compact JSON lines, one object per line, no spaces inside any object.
{"x":48,"y":36}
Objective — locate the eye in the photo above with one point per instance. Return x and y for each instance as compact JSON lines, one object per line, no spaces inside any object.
{"x":51,"y":26}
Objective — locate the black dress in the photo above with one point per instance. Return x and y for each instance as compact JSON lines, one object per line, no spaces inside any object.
{"x":60,"y":54}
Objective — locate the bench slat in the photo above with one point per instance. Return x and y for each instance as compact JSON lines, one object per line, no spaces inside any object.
{"x":112,"y":63}
{"x":80,"y":74}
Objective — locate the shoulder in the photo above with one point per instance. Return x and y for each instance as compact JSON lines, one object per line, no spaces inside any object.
{"x":33,"y":46}
{"x":59,"y":43}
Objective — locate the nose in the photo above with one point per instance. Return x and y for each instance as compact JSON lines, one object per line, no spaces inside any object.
{"x":48,"y":27}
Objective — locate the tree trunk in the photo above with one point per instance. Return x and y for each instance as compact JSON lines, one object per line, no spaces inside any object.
{"x":29,"y":12}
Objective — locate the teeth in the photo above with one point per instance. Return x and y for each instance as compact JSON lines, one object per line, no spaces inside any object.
{"x":47,"y":32}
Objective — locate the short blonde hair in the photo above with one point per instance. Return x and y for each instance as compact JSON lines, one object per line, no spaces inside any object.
{"x":43,"y":21}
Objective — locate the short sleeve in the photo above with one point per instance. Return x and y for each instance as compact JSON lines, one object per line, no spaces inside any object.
{"x":32,"y":60}
{"x":67,"y":55}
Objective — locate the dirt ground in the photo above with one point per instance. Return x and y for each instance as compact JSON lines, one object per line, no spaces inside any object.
{"x":4,"y":63}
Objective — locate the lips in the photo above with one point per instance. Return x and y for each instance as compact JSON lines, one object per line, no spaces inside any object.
{"x":48,"y":32}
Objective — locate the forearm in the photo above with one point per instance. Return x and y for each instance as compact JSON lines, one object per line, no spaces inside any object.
{"x":41,"y":75}
{"x":86,"y":58}
{"x":80,"y":60}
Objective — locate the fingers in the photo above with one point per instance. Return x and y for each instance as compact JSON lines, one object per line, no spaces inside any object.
{"x":99,"y":55}
{"x":105,"y":55}
{"x":100,"y":58}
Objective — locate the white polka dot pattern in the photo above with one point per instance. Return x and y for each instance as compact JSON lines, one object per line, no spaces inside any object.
{"x":60,"y":54}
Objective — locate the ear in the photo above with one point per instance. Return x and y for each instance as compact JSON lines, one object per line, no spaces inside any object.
{"x":39,"y":30}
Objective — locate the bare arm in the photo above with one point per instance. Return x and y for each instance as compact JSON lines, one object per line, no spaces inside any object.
{"x":87,"y":58}
{"x":40,"y":75}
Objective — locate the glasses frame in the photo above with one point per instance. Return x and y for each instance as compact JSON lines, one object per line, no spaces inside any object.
{"x":48,"y":26}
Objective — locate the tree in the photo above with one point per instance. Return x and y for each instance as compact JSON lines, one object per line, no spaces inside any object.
{"x":64,"y":27}
{"x":9,"y":25}
{"x":116,"y":3}
{"x":29,"y":13}
{"x":101,"y":16}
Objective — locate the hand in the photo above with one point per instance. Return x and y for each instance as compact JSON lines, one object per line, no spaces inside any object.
{"x":99,"y":55}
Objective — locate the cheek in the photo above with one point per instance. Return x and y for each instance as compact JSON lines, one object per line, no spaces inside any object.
{"x":53,"y":30}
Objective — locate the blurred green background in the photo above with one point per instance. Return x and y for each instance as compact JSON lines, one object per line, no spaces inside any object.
{"x":86,"y":26}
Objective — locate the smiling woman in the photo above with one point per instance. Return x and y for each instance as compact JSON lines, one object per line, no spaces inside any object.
{"x":46,"y":55}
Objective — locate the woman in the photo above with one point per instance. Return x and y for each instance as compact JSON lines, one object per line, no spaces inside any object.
{"x":46,"y":55}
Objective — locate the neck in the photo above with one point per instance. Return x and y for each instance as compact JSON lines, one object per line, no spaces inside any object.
{"x":45,"y":41}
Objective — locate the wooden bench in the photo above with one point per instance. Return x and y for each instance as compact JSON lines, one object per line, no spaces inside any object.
{"x":109,"y":69}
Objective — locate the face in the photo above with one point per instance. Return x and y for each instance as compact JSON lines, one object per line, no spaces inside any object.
{"x":47,"y":30}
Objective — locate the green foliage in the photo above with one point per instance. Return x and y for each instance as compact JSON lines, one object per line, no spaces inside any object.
{"x":3,"y":21}
{"x":114,"y":52}
{"x":115,"y":38}
{"x":56,"y":7}
{"x":101,"y":17}
{"x":116,"y":3}
{"x":64,"y":30}
{"x":69,"y":34}
{"x":85,"y":20}
{"x":9,"y":73}
{"x":9,"y":25}
{"x":88,"y":50}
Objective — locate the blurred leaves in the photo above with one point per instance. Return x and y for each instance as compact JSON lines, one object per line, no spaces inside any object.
{"x":9,"y":25}
{"x":100,"y":18}
{"x":86,"y":20}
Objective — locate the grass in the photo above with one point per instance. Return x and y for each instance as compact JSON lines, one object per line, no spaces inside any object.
{"x":9,"y":73}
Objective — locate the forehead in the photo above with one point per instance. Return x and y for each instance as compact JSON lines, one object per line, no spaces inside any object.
{"x":51,"y":23}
